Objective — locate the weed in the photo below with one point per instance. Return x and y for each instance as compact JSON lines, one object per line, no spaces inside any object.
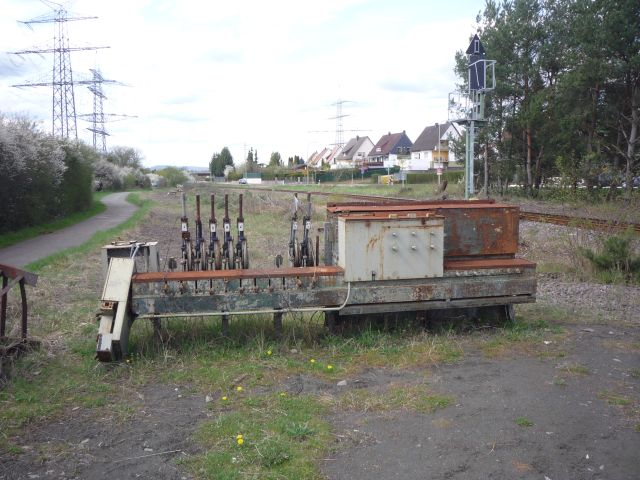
{"x":576,"y":369}
{"x":561,"y":382}
{"x":282,"y":436}
{"x":614,"y":399}
{"x":524,"y":422}
{"x":300,"y":430}
{"x":616,"y":261}
{"x":415,"y":398}
{"x":635,"y":372}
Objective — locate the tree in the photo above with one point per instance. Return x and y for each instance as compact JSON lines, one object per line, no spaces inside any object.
{"x":125,"y":157}
{"x":567,"y":99}
{"x":174,"y":176}
{"x":252,"y":161}
{"x":275,"y":160}
{"x":295,"y":160}
{"x":219,"y":161}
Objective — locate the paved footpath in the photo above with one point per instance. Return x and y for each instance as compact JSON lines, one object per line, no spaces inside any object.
{"x":118,"y":210}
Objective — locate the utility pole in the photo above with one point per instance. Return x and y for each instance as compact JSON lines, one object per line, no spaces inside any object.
{"x":479,"y":85}
{"x":63,"y":116}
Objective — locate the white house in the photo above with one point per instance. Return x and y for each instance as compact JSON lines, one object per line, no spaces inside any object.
{"x":433,"y":149}
{"x":354,"y":153}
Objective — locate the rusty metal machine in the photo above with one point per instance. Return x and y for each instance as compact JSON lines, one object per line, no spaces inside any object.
{"x":379,"y":257}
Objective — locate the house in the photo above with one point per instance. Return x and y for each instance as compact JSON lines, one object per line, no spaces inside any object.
{"x":391,"y":150}
{"x":433,"y":148}
{"x":331,"y":159}
{"x":316,"y":158}
{"x":354,"y":153}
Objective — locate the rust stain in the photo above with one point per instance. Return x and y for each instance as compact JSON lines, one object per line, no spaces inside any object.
{"x":423,"y":292}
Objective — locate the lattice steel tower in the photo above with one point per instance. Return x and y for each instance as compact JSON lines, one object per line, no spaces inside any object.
{"x":98,"y":118}
{"x":63,"y":115}
{"x":339,"y":124}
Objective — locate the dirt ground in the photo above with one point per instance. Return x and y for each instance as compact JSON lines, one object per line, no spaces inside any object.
{"x":573,"y":413}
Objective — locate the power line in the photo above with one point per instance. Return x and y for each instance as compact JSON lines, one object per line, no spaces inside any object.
{"x":98,"y":118}
{"x":63,"y":114}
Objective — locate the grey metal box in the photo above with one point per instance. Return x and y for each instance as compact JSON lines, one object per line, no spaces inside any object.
{"x":391,"y":247}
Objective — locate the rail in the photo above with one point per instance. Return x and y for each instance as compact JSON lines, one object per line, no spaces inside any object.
{"x":589,"y":223}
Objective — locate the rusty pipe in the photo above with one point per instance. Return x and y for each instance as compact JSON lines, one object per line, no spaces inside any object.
{"x":240,"y":206}
{"x":213,"y":207}
{"x":226,"y":207}
{"x":197,"y":208}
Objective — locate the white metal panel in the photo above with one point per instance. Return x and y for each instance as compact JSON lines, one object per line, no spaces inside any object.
{"x":116,"y":288}
{"x":390,"y":248}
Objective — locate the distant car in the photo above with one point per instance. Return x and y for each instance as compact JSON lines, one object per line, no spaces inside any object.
{"x":242,"y":181}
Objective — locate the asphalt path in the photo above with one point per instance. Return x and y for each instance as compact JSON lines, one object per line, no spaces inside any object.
{"x":21,"y":254}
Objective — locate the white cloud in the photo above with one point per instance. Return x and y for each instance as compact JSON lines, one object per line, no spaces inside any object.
{"x":205,"y":74}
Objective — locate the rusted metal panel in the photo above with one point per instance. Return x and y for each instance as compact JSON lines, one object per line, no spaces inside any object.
{"x":434,"y":305}
{"x":470,"y":228}
{"x":489,"y":263}
{"x":245,"y":274}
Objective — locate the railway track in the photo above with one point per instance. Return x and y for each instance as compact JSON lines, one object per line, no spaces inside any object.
{"x":589,"y":223}
{"x":581,"y":222}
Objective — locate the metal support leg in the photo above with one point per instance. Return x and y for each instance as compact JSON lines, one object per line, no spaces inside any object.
{"x":3,"y":307}
{"x":225,"y":325}
{"x":157,"y":331}
{"x":331,"y":321}
{"x":23,"y":297}
{"x":277,"y":323}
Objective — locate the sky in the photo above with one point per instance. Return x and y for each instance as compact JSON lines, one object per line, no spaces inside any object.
{"x":250,"y":74}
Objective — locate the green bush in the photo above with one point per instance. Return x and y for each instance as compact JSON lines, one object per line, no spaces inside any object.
{"x":77,"y":180}
{"x":616,"y":261}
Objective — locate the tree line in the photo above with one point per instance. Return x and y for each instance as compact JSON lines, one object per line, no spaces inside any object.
{"x":223,"y":159}
{"x":567,"y":98}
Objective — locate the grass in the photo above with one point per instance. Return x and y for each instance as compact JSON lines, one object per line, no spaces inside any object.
{"x":416,"y":398}
{"x":282,"y":437}
{"x":526,"y":335}
{"x":614,"y":399}
{"x":523,"y":422}
{"x":11,"y":238}
{"x":285,"y":432}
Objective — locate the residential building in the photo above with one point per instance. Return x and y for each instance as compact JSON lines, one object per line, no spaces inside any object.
{"x":331,"y":159}
{"x":391,"y":150}
{"x":354,"y":153}
{"x":315,"y":160}
{"x":433,"y":148}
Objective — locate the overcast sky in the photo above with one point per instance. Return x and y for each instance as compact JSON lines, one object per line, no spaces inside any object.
{"x":259,"y":74}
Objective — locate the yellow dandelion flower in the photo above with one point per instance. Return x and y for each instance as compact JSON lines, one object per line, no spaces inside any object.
{"x":313,"y":360}
{"x":269,"y":352}
{"x":240,"y":441}
{"x":329,"y":367}
{"x":224,"y":399}
{"x":239,"y":388}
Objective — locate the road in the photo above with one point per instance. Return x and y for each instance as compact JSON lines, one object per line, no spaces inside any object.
{"x":21,"y":254}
